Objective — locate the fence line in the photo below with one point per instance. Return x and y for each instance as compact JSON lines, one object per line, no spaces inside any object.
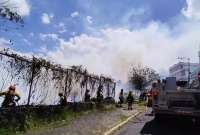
{"x":35,"y":71}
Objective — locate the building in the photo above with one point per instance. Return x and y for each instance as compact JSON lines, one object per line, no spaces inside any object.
{"x":194,"y":74}
{"x":181,"y":70}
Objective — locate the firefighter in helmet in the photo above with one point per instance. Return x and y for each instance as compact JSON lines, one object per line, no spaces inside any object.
{"x":87,"y":96}
{"x":121,"y":98}
{"x":62,"y":99}
{"x":155,"y":91}
{"x":11,"y":97}
{"x":130,"y":100}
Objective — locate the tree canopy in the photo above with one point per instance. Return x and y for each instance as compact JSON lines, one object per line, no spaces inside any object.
{"x":141,"y":76}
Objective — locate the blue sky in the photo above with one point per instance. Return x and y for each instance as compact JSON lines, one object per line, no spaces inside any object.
{"x":89,"y":32}
{"x":103,"y":13}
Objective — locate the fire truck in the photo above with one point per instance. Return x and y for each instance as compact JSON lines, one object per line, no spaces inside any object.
{"x":176,"y":99}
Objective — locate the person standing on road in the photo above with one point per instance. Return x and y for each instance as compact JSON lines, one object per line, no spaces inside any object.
{"x":130,"y":100}
{"x":159,"y":85}
{"x":121,"y":98}
{"x":100,"y":94}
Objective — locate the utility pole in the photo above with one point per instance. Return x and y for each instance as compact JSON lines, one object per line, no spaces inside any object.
{"x":189,"y":73}
{"x":199,"y":54}
{"x":31,"y":80}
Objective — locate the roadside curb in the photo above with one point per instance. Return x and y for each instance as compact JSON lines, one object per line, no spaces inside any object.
{"x":110,"y":131}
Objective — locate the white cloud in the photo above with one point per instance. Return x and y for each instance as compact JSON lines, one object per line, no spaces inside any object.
{"x":134,"y":16}
{"x":89,"y":19}
{"x":62,"y":31}
{"x":48,"y":36}
{"x":31,"y":34}
{"x":73,"y":33}
{"x":51,"y":15}
{"x":27,"y":42}
{"x":4,"y":43}
{"x":46,"y":18}
{"x":75,"y":14}
{"x":62,"y":28}
{"x":61,"y":24}
{"x":22,"y":7}
{"x":192,"y":10}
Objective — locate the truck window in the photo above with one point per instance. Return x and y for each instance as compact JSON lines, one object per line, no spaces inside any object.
{"x":181,"y":83}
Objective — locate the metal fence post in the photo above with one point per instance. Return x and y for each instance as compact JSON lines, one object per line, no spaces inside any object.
{"x":108,"y":89}
{"x":31,"y":81}
{"x":86,"y":83}
{"x":66,"y":83}
{"x":113,"y":90}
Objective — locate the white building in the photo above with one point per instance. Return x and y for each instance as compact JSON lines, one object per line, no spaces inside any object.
{"x":181,"y":70}
{"x":194,"y":74}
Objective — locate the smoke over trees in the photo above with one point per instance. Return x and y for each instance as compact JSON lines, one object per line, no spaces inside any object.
{"x":140,"y":76}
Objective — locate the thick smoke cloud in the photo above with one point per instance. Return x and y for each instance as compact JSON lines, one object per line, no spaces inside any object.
{"x":115,"y":50}
{"x":4,"y":43}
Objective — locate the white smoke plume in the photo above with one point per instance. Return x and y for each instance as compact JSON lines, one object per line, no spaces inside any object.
{"x":115,"y":50}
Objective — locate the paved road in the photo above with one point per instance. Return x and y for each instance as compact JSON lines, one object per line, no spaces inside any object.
{"x":146,"y":125}
{"x":90,"y":123}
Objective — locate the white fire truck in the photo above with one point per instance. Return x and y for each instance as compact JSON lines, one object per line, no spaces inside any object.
{"x":175,"y":99}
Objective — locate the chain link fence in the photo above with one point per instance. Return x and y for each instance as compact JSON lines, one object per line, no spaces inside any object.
{"x":39,"y":81}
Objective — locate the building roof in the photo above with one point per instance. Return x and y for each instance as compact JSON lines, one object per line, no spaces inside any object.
{"x":182,"y":63}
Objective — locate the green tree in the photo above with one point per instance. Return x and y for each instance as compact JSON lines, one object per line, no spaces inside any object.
{"x":140,"y":76}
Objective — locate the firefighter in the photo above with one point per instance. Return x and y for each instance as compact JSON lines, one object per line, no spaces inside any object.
{"x":87,"y":96}
{"x":159,"y":85}
{"x":121,"y":98}
{"x":11,"y":97}
{"x":155,"y":92}
{"x":63,"y":100}
{"x":100,"y":94}
{"x":130,"y":100}
{"x":149,"y":98}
